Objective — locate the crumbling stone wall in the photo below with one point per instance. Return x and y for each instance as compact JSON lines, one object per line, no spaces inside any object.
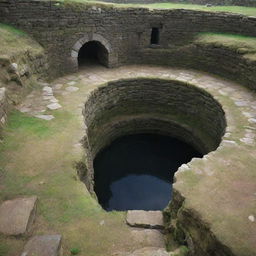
{"x":58,"y":27}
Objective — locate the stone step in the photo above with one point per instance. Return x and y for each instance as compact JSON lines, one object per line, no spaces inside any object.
{"x":148,"y":237}
{"x":45,"y":245}
{"x":145,"y":219}
{"x":17,"y":215}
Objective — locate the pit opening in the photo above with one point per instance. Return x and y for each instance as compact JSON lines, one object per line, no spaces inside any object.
{"x":91,"y":53}
{"x":135,"y":172}
{"x":180,"y":118}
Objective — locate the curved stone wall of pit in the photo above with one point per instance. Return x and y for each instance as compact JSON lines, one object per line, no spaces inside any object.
{"x":59,"y":27}
{"x":143,"y":105}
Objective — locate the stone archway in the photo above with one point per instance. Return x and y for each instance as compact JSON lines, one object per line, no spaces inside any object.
{"x":111,"y":59}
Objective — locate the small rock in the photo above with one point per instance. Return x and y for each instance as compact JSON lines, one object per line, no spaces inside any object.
{"x":252,"y":120}
{"x":251,"y":218}
{"x":241,"y":103}
{"x":248,"y":141}
{"x":53,"y":100}
{"x":229,"y":142}
{"x":45,"y":117}
{"x":183,"y":168}
{"x":145,"y":219}
{"x":14,"y":67}
{"x":24,"y":110}
{"x":54,"y":106}
{"x":102,"y":222}
{"x":72,"y":89}
{"x":57,"y":86}
{"x":17,"y":215}
{"x":71,"y":83}
{"x":47,"y":90}
{"x":3,"y":120}
{"x":46,"y":245}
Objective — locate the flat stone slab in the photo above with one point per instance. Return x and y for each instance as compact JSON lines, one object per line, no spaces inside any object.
{"x":148,"y":237}
{"x":72,"y":89}
{"x":54,"y":106}
{"x":145,"y":219}
{"x":45,"y":245}
{"x":17,"y":215}
{"x":150,"y":251}
{"x":45,"y":117}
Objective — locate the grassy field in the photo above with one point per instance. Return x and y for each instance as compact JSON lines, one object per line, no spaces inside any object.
{"x":9,"y":38}
{"x":249,"y":11}
{"x":243,"y":44}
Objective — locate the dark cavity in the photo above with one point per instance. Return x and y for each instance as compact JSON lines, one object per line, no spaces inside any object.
{"x":136,"y":172}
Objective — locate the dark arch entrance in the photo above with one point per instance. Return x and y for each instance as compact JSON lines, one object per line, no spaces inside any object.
{"x":92,"y":52}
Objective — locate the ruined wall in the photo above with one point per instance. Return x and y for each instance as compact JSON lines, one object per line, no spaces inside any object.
{"x":62,"y":28}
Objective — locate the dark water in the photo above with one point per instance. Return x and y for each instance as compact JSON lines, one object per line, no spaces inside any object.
{"x":136,"y":171}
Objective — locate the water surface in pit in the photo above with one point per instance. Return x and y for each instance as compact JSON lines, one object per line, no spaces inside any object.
{"x":136,"y":172}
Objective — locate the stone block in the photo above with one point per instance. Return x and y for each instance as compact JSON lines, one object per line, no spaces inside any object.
{"x":17,"y":215}
{"x":145,"y":219}
{"x":45,"y":245}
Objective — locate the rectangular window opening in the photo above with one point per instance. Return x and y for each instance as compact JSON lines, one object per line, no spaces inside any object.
{"x":154,"y":36}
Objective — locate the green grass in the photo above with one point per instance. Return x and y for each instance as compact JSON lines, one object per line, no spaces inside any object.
{"x":242,"y":44}
{"x":249,"y":11}
{"x":9,"y":38}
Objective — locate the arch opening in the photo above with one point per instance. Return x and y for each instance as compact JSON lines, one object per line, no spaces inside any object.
{"x":93,"y":53}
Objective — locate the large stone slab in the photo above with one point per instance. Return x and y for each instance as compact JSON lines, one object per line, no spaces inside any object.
{"x":150,"y":251}
{"x":45,"y":245}
{"x":17,"y":215}
{"x":145,"y":219}
{"x":148,"y":237}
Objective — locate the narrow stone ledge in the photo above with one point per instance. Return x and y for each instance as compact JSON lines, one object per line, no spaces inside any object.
{"x":17,"y":215}
{"x":145,"y":219}
{"x":46,"y":245}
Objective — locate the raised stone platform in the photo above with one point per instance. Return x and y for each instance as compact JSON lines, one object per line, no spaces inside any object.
{"x":17,"y":215}
{"x":145,"y":219}
{"x":46,"y":245}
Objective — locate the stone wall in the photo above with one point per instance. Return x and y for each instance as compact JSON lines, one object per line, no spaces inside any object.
{"x":154,"y":106}
{"x":20,"y":70}
{"x":223,"y":61}
{"x":125,"y":33}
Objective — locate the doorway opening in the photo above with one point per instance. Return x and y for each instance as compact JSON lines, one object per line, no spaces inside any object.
{"x":92,"y":53}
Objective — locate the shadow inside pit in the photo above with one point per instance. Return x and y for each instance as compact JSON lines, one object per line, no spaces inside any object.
{"x":136,"y":172}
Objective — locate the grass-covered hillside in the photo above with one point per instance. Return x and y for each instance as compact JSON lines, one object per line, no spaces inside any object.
{"x":249,"y":11}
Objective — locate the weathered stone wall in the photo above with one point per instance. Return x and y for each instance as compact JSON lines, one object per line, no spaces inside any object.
{"x":151,"y":105}
{"x":19,"y":71}
{"x":125,"y":33}
{"x":251,"y":3}
{"x":223,"y":61}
